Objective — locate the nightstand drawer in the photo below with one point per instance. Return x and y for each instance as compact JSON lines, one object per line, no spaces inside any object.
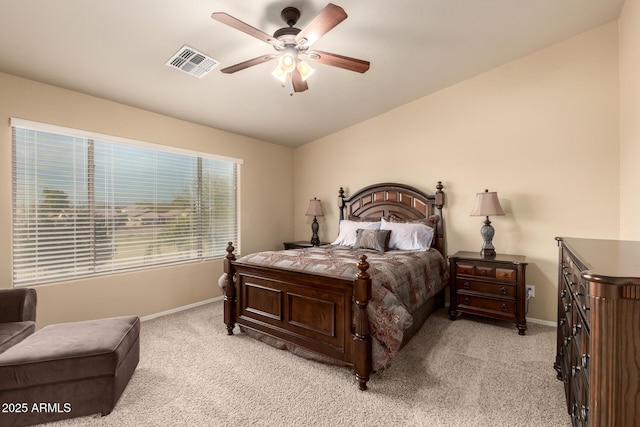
{"x":505,"y":274}
{"x":486,"y":271}
{"x":470,"y":302}
{"x":467,"y":269}
{"x":497,"y":289}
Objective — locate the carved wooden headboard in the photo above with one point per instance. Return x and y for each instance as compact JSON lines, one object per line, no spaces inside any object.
{"x":404,"y":201}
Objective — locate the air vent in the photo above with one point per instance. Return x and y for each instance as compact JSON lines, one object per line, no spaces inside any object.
{"x":192,"y":62}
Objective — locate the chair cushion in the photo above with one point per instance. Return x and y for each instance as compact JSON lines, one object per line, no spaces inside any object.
{"x":69,"y":351}
{"x":14,"y":332}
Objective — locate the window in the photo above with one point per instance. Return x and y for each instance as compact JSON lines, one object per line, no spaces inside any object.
{"x":87,"y":204}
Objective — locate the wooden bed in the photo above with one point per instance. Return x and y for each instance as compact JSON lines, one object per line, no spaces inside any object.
{"x":322,"y":314}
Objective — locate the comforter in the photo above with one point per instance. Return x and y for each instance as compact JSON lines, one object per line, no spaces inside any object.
{"x":401,"y":282}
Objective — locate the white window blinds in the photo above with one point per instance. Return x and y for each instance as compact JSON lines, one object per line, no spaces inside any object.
{"x":86,"y":204}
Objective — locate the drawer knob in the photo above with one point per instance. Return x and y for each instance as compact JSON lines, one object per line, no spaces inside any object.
{"x":466,"y":300}
{"x":567,"y":307}
{"x":576,"y":329}
{"x":562,"y":321}
{"x":584,"y":411}
{"x":503,"y":290}
{"x":466,"y":285}
{"x":584,"y":360}
{"x":504,"y":307}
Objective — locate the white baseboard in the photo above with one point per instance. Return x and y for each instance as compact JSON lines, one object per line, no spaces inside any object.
{"x":529,"y":319}
{"x":542,"y":322}
{"x":179,"y":309}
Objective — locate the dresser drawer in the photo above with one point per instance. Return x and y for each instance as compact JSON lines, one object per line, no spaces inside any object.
{"x":498,"y":289}
{"x":474,"y":303}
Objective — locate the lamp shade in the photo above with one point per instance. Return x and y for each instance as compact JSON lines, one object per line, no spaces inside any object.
{"x":487,"y":204}
{"x":315,"y":208}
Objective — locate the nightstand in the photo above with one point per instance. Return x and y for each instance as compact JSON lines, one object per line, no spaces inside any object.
{"x":488,"y":286}
{"x":300,"y":245}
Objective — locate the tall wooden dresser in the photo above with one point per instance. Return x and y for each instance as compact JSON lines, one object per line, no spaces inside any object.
{"x":598,"y":349}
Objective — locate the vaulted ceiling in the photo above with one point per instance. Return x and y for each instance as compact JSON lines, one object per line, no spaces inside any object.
{"x":117,"y":49}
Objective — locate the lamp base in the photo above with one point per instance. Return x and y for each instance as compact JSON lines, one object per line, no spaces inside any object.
{"x":488,"y":253}
{"x":315,"y":240}
{"x":487,"y":232}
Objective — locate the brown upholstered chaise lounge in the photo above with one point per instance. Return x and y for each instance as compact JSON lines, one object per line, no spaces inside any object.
{"x":68,"y":370}
{"x":17,"y":316}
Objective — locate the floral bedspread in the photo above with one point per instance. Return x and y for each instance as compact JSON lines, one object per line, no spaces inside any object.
{"x":401,"y":282}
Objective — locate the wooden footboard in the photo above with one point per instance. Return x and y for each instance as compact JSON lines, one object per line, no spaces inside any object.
{"x":315,"y":312}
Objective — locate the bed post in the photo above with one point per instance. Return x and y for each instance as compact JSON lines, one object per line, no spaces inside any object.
{"x":341,"y":202}
{"x":439,"y":203}
{"x":362,"y":357}
{"x":229,"y":290}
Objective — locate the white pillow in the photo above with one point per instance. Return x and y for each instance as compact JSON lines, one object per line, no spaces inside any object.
{"x":411,"y":236}
{"x":348,"y":231}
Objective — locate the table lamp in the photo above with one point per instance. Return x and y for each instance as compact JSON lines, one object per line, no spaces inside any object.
{"x":487,"y":204}
{"x":315,"y":210}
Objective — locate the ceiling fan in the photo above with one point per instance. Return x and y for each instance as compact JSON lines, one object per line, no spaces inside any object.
{"x":292,"y":45}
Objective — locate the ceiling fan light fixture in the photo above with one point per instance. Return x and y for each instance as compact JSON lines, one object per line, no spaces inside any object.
{"x":305,"y":70}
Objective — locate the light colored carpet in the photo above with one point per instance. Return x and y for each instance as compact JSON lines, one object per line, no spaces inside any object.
{"x":462,"y":373}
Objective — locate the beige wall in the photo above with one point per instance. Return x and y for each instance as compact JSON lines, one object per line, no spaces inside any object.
{"x":265,"y":221}
{"x":542,"y":131}
{"x":629,"y":51}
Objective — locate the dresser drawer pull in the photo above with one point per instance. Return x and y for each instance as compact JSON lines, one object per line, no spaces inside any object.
{"x":576,"y":329}
{"x":562,"y":321}
{"x":503,"y":290}
{"x":567,"y":307}
{"x":504,"y":307}
{"x":563,"y":293}
{"x":584,"y":360}
{"x":575,"y":370}
{"x":466,"y":285}
{"x":585,"y":308}
{"x":584,"y":411}
{"x":466,"y":300}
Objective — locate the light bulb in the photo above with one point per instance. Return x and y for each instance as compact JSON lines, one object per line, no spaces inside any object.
{"x":287,"y":62}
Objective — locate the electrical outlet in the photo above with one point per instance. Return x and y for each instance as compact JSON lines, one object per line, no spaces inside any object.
{"x":531,"y":291}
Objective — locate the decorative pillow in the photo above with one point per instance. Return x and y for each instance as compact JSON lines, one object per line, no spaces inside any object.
{"x":431,"y":221}
{"x":347,"y":234}
{"x":408,"y":236}
{"x":364,"y":218}
{"x":378,"y":240}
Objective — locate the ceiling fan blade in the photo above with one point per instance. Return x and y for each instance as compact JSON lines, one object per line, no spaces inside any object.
{"x":248,"y":63}
{"x":299,"y":85}
{"x":324,"y":21}
{"x":333,"y":59}
{"x":244,"y":27}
